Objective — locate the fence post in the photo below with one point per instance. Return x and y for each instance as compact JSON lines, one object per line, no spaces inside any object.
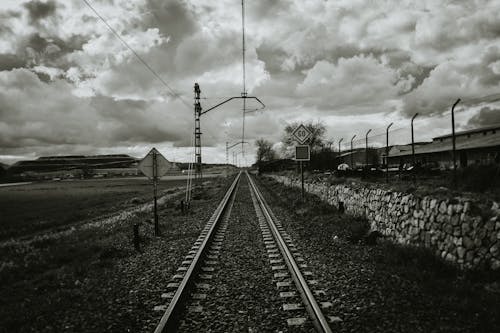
{"x":137,"y":239}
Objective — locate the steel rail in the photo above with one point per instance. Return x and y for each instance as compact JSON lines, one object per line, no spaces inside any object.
{"x":169,"y":320}
{"x":318,"y":319}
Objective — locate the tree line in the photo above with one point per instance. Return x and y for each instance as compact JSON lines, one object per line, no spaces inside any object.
{"x":323,"y":155}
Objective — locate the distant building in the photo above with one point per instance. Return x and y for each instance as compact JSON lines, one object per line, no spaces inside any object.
{"x":75,"y":166}
{"x":117,"y":172}
{"x":60,"y":163}
{"x":477,"y":146}
{"x":357,"y":157}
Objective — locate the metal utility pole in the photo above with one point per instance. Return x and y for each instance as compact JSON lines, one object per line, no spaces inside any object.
{"x":352,"y":153}
{"x":413,"y":148}
{"x":387,"y":153}
{"x":244,"y":93}
{"x":197,"y":132}
{"x":155,"y":193}
{"x":366,"y":147}
{"x":453,"y":141}
{"x":413,"y":141}
{"x":227,"y":153}
{"x":234,"y":145}
{"x":341,"y":139}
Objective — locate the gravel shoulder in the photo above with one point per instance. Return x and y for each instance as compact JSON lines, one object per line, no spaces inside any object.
{"x":384,"y":287}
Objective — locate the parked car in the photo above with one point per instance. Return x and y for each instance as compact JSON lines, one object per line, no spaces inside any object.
{"x":343,"y":167}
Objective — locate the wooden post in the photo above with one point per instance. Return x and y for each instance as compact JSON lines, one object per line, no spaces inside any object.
{"x":136,"y":237}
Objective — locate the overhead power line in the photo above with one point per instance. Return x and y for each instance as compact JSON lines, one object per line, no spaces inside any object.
{"x":171,"y":90}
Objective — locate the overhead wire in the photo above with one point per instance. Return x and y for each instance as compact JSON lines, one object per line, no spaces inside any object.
{"x":155,"y":74}
{"x":244,"y":75}
{"x":169,"y":88}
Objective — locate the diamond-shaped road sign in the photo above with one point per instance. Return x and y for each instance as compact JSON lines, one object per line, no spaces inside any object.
{"x":146,"y":165}
{"x":301,"y":134}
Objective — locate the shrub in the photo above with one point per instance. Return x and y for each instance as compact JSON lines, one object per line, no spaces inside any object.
{"x":479,"y":177}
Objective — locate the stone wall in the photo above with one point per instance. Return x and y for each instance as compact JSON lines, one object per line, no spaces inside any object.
{"x":460,"y":230}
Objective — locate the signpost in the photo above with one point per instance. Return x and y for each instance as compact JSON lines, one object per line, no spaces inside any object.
{"x":302,"y":152}
{"x":154,"y":165}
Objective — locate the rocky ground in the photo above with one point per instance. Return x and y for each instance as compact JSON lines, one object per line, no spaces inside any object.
{"x":383,"y":287}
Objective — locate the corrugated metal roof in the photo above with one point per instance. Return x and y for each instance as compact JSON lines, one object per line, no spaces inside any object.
{"x":476,"y":130}
{"x":470,"y":143}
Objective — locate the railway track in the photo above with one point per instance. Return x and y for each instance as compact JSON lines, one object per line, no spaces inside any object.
{"x":294,"y":271}
{"x":202,"y":253}
{"x":188,"y":289}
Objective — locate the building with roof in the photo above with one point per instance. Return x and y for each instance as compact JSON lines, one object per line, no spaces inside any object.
{"x":477,"y":146}
{"x":356,"y":158}
{"x":71,"y":162}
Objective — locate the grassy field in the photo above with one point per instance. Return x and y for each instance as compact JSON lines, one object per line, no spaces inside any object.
{"x":74,"y":276}
{"x":42,"y":206}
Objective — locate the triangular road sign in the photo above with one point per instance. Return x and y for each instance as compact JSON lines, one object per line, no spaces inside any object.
{"x":146,"y":165}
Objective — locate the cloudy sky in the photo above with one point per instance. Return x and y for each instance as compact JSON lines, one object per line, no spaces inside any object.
{"x":69,"y":86}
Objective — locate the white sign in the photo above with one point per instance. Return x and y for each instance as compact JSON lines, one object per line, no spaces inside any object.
{"x":146,"y":165}
{"x":302,"y":153}
{"x":301,"y":134}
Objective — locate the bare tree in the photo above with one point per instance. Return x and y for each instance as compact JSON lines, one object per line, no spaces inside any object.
{"x":265,"y":150}
{"x":316,"y":141}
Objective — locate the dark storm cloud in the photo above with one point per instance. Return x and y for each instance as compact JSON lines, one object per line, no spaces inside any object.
{"x":486,"y":116}
{"x":344,"y":59}
{"x":462,"y":24}
{"x":450,"y":80}
{"x":137,"y":121}
{"x":172,"y":18}
{"x":41,"y":43}
{"x":38,"y":10}
{"x":265,"y":9}
{"x":37,"y":42}
{"x":51,"y":115}
{"x":10,"y":61}
{"x":35,"y":49}
{"x":487,"y":75}
{"x":272,"y":57}
{"x":402,"y":62}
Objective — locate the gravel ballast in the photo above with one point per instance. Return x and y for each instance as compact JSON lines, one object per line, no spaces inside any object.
{"x":370,"y":290}
{"x":242,"y":295}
